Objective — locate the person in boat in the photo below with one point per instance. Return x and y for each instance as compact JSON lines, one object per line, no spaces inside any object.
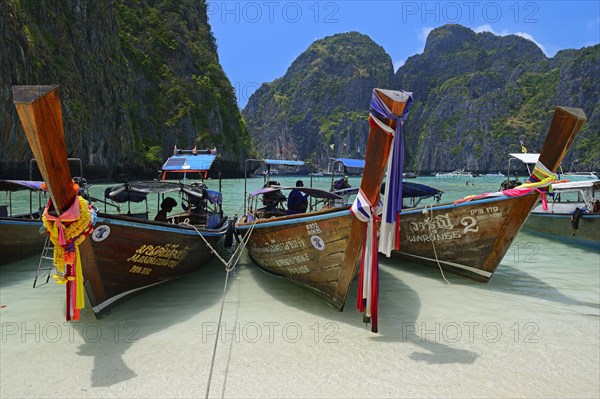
{"x":297,"y":201}
{"x":194,"y":204}
{"x":271,"y":200}
{"x":341,"y":183}
{"x":165,"y":207}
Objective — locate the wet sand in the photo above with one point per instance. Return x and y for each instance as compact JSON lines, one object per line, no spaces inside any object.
{"x":533,"y":331}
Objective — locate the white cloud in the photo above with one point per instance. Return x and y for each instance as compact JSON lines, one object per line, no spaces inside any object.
{"x":524,"y":35}
{"x":484,"y":28}
{"x":422,"y":36}
{"x":425,"y":31}
{"x":527,"y":36}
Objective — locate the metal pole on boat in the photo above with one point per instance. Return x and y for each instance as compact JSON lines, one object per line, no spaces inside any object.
{"x":245,"y":182}
{"x":220,"y":182}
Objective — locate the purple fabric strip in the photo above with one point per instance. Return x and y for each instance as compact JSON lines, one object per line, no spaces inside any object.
{"x":394,"y":184}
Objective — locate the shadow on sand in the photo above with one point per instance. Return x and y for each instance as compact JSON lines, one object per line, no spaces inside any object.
{"x":153,"y":310}
{"x":507,"y":280}
{"x":399,"y":307}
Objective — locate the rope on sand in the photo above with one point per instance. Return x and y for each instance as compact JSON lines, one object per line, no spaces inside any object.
{"x":229,"y":267}
{"x":427,"y":219}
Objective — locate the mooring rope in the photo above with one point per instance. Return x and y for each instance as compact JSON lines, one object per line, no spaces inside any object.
{"x":433,"y":243}
{"x":229,"y":266}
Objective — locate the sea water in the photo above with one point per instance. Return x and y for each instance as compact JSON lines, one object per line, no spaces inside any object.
{"x":532,"y":331}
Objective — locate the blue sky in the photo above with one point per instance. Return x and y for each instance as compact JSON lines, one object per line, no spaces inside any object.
{"x":258,"y":40}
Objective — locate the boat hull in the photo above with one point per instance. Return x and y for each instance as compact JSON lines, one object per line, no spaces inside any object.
{"x":468,"y":238}
{"x":133,"y":255}
{"x":308,"y":250}
{"x":558,"y":225}
{"x":19,"y":239}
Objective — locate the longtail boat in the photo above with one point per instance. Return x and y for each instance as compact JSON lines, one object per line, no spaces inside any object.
{"x":320,"y":249}
{"x":471,"y":236}
{"x":21,"y":206}
{"x":125,"y":253}
{"x":20,"y":235}
{"x":572,"y":215}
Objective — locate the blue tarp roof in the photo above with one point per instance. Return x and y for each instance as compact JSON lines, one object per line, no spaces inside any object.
{"x":352,"y":163}
{"x":184,"y":162}
{"x":283,"y":162}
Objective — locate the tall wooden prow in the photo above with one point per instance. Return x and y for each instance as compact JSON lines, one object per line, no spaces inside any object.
{"x":378,"y":149}
{"x":40,"y":113}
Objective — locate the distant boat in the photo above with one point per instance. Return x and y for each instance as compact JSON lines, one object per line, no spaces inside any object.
{"x":471,"y":236}
{"x":497,"y":174}
{"x":410,"y":175}
{"x":578,"y":176}
{"x":346,"y":166}
{"x":124,"y":253}
{"x":457,"y":173}
{"x":20,"y":235}
{"x":531,"y":158}
{"x":573,"y":214}
{"x":267,"y":172}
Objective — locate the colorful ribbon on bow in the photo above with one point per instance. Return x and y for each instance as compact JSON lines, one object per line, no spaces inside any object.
{"x":66,"y":232}
{"x":541,"y":180}
{"x":368,"y":280}
{"x":389,"y":235}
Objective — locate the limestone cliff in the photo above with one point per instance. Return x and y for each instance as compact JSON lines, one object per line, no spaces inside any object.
{"x":321,"y":101}
{"x":136,"y":78}
{"x":477,"y":95}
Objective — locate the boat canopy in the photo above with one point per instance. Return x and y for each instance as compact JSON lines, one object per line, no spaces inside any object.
{"x":285,"y":162}
{"x":16,"y":185}
{"x":526,"y":157}
{"x":575,"y":185}
{"x":137,"y":191}
{"x":351,"y":163}
{"x":185,"y":161}
{"x":417,"y":190}
{"x":313,"y":192}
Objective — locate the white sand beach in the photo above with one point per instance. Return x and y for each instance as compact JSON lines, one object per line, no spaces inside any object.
{"x":533,"y":331}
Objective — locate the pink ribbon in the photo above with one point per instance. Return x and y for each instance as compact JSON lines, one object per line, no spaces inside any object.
{"x":70,"y":215}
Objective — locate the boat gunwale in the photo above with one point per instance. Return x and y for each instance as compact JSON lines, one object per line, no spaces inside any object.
{"x":124,"y":220}
{"x":451,"y":205}
{"x":297,"y":218}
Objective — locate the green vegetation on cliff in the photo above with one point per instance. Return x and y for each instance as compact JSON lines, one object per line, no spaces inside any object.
{"x":477,"y":95}
{"x":321,"y":100}
{"x":136,"y":78}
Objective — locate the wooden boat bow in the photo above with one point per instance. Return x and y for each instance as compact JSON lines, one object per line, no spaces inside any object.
{"x":40,"y":113}
{"x":377,"y":152}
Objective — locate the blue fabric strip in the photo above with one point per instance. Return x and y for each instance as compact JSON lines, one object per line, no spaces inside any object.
{"x":394,"y":183}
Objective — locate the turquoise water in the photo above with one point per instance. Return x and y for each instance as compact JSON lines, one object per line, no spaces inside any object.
{"x":532,"y":331}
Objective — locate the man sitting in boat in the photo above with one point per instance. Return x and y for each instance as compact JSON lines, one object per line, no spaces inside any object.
{"x":165,"y":207}
{"x":341,"y":184}
{"x":271,"y":200}
{"x":297,"y":201}
{"x":193,"y":204}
